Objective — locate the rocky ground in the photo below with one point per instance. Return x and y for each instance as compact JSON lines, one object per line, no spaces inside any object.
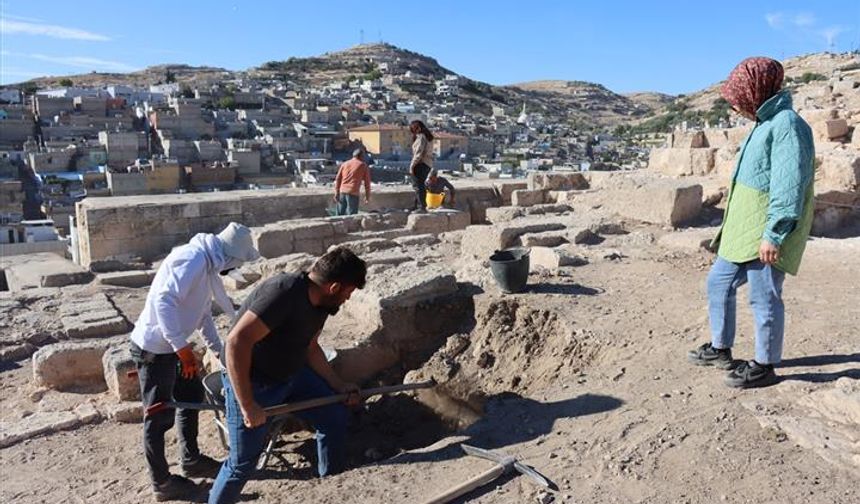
{"x":583,"y":376}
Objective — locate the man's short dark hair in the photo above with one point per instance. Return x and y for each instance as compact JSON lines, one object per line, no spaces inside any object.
{"x":341,"y":265}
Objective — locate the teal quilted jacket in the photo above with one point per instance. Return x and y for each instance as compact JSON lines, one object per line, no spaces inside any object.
{"x":771,"y":193}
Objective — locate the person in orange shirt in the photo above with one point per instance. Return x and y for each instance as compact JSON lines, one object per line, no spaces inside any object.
{"x":347,"y":185}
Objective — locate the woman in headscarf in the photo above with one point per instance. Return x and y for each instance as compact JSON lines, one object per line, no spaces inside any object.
{"x":766,"y":222}
{"x":422,"y":162}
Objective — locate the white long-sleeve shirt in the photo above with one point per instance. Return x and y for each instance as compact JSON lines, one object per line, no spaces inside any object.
{"x":180,"y":300}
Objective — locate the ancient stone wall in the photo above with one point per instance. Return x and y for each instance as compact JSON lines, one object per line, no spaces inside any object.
{"x":148,"y":226}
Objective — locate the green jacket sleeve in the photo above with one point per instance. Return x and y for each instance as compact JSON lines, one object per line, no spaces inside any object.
{"x":790,"y":174}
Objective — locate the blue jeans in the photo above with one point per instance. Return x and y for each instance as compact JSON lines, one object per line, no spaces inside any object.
{"x":765,"y":298}
{"x":347,"y":204}
{"x":246,"y":445}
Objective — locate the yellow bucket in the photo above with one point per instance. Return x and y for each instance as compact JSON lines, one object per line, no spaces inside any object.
{"x":435,"y":200}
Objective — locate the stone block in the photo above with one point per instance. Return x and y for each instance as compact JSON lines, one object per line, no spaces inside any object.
{"x":94,"y":325}
{"x":724,"y":161}
{"x":688,"y":139}
{"x":553,"y":258}
{"x":361,"y":247}
{"x":657,"y":200}
{"x":483,"y":240}
{"x":273,"y":241}
{"x":133,"y":279}
{"x":682,"y":161}
{"x":93,"y":316}
{"x":315,"y":230}
{"x":422,"y":240}
{"x":556,"y":181}
{"x":431,"y":222}
{"x":702,"y":161}
{"x":845,"y":86}
{"x":117,"y":365}
{"x":70,"y":365}
{"x":831,"y":129}
{"x":47,"y":422}
{"x":407,"y":285}
{"x":528,"y":197}
{"x":43,"y":270}
{"x":813,"y":116}
{"x":838,"y":170}
{"x":125,"y":412}
{"x":716,"y":137}
{"x":349,"y":223}
{"x":458,"y":220}
{"x":291,"y":263}
{"x":504,"y":214}
{"x":506,"y":189}
{"x":546,"y":239}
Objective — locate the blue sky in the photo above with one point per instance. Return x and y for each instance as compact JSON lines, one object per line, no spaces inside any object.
{"x":668,"y":46}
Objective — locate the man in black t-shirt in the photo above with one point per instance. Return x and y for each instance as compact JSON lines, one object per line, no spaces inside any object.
{"x":273,"y":356}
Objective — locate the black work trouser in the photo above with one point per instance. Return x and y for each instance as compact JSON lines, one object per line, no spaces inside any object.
{"x":160,"y":381}
{"x":419,"y":184}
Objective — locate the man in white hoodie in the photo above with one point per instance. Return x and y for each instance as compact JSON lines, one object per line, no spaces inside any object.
{"x":180,"y":302}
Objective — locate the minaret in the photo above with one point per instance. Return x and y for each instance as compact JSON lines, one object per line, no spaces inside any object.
{"x":523,"y":118}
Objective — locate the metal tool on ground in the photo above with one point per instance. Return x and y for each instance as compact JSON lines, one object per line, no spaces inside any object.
{"x":282,"y":409}
{"x":504,"y":463}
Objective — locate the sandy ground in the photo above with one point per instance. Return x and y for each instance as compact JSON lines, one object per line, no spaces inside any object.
{"x":631,"y":423}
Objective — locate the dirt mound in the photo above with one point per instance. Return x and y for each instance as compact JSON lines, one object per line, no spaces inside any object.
{"x":514,"y":347}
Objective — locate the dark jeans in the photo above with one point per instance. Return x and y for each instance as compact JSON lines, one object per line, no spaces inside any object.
{"x":160,"y":380}
{"x":246,"y":444}
{"x":419,"y":184}
{"x":347,"y":204}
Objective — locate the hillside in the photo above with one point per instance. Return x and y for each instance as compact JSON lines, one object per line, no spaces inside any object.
{"x":148,"y":76}
{"x":818,"y":66}
{"x":585,"y":99}
{"x":584,"y":105}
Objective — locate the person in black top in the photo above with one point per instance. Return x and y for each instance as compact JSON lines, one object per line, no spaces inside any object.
{"x":273,"y":356}
{"x":437,"y":185}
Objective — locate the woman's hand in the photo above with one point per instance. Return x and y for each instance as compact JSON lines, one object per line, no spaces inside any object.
{"x":768,"y":253}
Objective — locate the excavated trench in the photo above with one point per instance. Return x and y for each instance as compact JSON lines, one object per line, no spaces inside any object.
{"x":499,"y":350}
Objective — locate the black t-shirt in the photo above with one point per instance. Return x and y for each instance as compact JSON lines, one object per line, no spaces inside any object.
{"x":282,"y":303}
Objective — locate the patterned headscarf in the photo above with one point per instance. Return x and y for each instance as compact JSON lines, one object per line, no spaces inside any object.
{"x":752,"y":82}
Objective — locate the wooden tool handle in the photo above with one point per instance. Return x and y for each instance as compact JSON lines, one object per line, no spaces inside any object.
{"x":467,"y":486}
{"x":339,"y":398}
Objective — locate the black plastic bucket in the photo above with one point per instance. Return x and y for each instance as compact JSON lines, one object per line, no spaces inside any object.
{"x":511,"y":269}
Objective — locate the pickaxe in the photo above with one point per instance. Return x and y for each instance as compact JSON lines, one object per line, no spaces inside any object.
{"x":282,"y":409}
{"x":504,"y":463}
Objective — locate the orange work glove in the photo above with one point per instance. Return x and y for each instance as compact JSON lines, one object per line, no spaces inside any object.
{"x":188,"y":361}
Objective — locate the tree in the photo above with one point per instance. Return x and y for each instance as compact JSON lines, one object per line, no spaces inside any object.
{"x":227,"y":102}
{"x":66,"y":82}
{"x":373,"y":74}
{"x":169,"y":77}
{"x":29,"y":88}
{"x":186,"y":91}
